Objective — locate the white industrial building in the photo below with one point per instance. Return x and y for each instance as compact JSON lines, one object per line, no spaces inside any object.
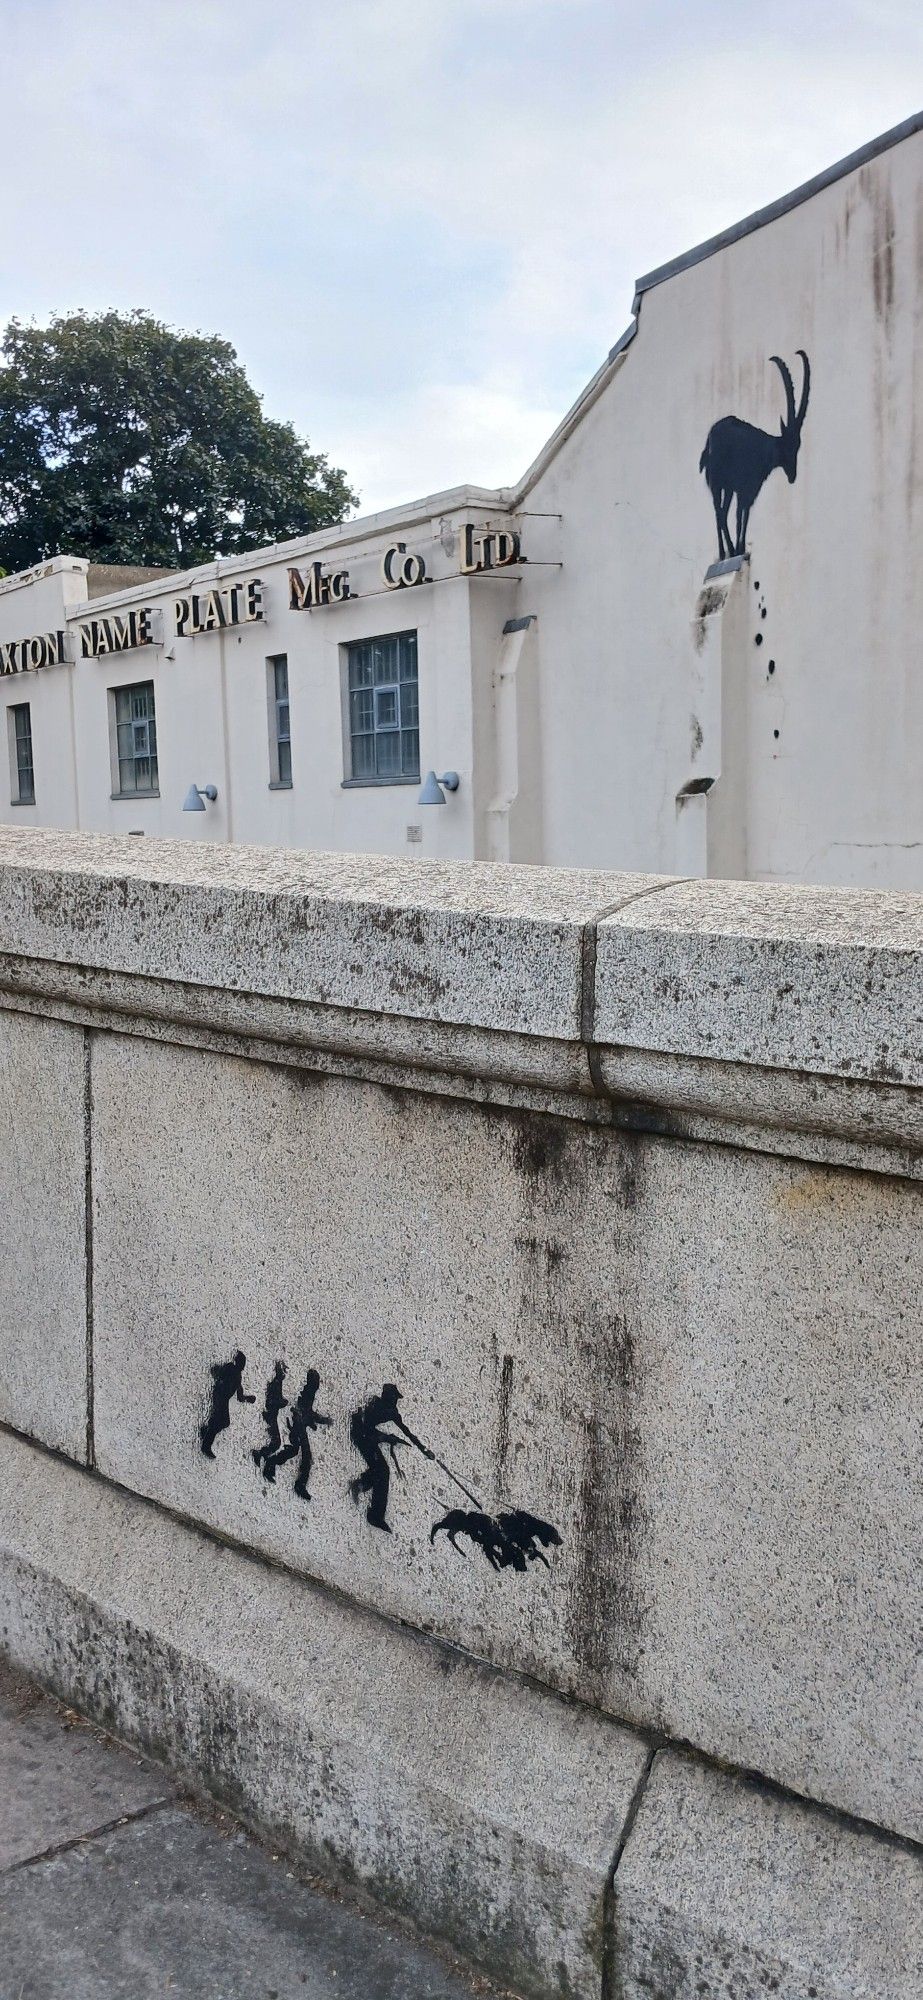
{"x":608,"y":692}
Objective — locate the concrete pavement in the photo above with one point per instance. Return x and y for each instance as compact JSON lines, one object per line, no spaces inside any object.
{"x":115,"y":1886}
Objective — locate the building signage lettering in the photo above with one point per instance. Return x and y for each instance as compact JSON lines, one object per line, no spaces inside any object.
{"x":401,"y":571}
{"x":481,"y":549}
{"x":116,"y":634}
{"x":318,"y":586}
{"x":214,"y":610}
{"x":488,"y":548}
{"x":25,"y":656}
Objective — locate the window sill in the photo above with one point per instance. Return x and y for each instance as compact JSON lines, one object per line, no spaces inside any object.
{"x":375,"y":784}
{"x":131,"y":798}
{"x":280,"y":784}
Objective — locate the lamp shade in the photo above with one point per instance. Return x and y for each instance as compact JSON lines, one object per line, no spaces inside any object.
{"x":193,"y":801}
{"x":431,"y":793}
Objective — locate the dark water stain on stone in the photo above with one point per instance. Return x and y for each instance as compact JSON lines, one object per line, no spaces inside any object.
{"x":504,"y":1393}
{"x":604,"y":1611}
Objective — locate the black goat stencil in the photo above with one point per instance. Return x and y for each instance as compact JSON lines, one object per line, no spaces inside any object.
{"x":738,"y":459}
{"x":227,"y":1383}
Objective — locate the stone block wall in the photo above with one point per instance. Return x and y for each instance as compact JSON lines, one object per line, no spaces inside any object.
{"x":560,"y":1586}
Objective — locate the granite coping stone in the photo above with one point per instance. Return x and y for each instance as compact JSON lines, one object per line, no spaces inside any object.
{"x":820,"y":980}
{"x":486,"y":945}
{"x":813,"y":980}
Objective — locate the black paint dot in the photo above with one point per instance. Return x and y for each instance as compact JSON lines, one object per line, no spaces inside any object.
{"x":758,"y":640}
{"x":756,"y":586}
{"x":771,"y":667}
{"x":775,"y":733}
{"x":763,"y":612}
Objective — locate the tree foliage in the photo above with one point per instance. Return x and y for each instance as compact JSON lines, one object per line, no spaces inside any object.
{"x":126,"y":442}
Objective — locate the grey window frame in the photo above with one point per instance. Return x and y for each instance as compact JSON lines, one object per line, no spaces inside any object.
{"x":367,"y":683}
{"x":280,"y":712}
{"x":134,"y":754}
{"x":21,"y":795}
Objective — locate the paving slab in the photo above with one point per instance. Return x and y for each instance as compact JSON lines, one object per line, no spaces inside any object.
{"x":61,"y":1779}
{"x":171,"y":1900}
{"x":171,"y":1904}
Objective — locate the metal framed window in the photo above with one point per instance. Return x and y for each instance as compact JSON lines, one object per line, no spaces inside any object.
{"x":22,"y":774}
{"x":383,"y":711}
{"x":135,"y":739}
{"x":280,"y":729}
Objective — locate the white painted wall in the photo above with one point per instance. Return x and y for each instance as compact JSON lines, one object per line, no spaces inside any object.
{"x":836,"y":796}
{"x":631,"y":682}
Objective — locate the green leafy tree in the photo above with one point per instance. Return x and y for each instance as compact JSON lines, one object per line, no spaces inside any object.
{"x":126,"y":442}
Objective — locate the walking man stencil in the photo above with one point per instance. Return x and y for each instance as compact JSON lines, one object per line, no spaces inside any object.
{"x":376,"y":1444}
{"x":302,"y":1420}
{"x":227,"y":1382}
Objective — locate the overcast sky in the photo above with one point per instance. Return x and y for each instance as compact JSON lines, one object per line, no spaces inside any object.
{"x":418,"y":221}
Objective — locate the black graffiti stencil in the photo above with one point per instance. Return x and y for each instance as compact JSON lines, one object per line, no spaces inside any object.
{"x":302,"y":1420}
{"x":738,"y":459}
{"x":510,"y":1540}
{"x":274,"y":1402}
{"x":227,"y":1383}
{"x":378,"y":1446}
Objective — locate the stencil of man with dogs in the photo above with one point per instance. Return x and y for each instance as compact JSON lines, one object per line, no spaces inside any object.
{"x":511,"y":1539}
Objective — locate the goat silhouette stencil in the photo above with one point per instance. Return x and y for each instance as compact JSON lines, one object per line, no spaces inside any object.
{"x":738,"y":459}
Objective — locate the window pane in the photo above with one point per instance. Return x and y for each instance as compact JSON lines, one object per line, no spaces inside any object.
{"x":360,"y":666}
{"x":280,"y":670}
{"x":386,"y":708}
{"x":136,"y":737}
{"x":361,"y":710}
{"x":363,"y":756}
{"x":282,"y":727}
{"x":388,"y":753}
{"x":285,"y":762}
{"x":22,"y":736}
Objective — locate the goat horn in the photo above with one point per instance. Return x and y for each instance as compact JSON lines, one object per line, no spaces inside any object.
{"x":805,"y":388}
{"x":789,"y":420}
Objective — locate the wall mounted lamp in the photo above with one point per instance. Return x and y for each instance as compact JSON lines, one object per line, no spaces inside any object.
{"x":194,"y":801}
{"x":432,"y":793}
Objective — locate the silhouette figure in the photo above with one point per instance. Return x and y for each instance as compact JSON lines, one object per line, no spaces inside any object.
{"x":302,"y":1420}
{"x":738,"y":459}
{"x":227,"y":1382}
{"x":274,"y":1403}
{"x":529,"y":1534}
{"x":509,"y":1541}
{"x":372,"y":1440}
